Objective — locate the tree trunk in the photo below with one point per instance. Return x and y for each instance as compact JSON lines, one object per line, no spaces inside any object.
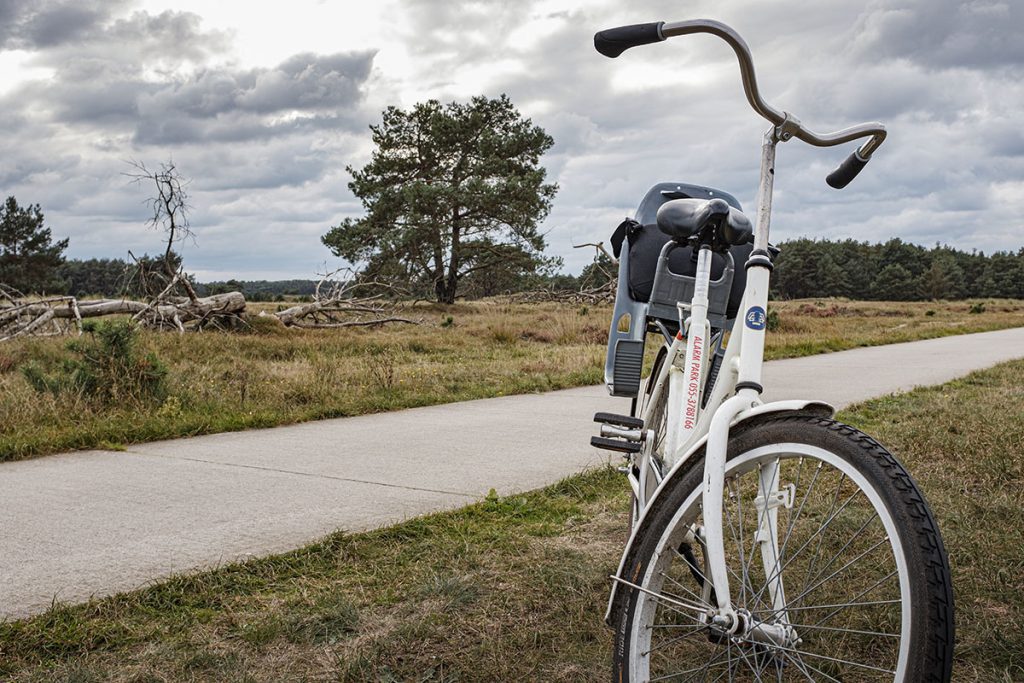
{"x":232,"y":302}
{"x":452,"y":281}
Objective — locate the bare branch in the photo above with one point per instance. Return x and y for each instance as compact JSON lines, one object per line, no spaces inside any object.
{"x":599,"y":246}
{"x":170,"y":211}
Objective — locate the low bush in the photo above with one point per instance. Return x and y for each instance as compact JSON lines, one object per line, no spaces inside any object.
{"x":106,"y":367}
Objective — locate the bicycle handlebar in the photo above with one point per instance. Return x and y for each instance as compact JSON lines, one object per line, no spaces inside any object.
{"x":613,"y":42}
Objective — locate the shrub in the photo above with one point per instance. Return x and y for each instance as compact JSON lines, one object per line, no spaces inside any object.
{"x":774,"y":321}
{"x":978,"y":308}
{"x":106,"y":367}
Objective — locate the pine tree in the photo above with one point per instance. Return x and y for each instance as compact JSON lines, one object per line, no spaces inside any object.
{"x":451,"y":191}
{"x":28,"y":256}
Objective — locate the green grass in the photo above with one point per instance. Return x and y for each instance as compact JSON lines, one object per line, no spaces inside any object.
{"x":514,"y":588}
{"x":268,"y":375}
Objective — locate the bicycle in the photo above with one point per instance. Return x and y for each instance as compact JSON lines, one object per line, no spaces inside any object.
{"x":768,"y":541}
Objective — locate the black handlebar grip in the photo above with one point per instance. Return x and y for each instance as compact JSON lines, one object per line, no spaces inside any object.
{"x":614,"y":41}
{"x":847,"y":171}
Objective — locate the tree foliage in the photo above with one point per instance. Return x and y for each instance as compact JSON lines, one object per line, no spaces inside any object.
{"x":29,"y":258}
{"x":94,"y":277}
{"x":451,"y":192}
{"x":894,"y":270}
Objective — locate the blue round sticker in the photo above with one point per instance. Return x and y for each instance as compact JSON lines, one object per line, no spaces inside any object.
{"x":756,"y":318}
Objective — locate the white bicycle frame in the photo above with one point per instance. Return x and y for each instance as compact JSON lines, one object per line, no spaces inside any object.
{"x":737,"y":390}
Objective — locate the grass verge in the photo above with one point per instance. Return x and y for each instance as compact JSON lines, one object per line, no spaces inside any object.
{"x":514,"y":588}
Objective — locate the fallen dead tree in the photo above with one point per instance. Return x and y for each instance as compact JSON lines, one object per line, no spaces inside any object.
{"x":64,"y":314}
{"x":586,"y":295}
{"x":604,"y":270}
{"x":335,"y":304}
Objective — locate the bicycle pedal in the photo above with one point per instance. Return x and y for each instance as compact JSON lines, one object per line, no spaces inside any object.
{"x":615,"y":445}
{"x":620,"y":420}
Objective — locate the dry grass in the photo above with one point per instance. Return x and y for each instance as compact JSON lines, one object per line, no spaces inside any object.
{"x":813,"y":326}
{"x":514,"y":588}
{"x":269,"y":375}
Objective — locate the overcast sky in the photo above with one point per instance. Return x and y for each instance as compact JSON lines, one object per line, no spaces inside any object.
{"x":263,"y":105}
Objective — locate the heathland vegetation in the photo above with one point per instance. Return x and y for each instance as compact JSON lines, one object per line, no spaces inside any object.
{"x":57,"y":395}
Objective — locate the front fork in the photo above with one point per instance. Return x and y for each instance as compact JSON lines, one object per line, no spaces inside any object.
{"x":752,"y":320}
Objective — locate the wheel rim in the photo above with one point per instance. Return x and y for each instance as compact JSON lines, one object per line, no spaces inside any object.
{"x":846,"y":584}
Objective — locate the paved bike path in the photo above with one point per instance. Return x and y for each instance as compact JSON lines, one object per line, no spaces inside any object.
{"x":98,"y":522}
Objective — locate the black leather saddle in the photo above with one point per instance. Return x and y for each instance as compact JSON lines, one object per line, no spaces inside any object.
{"x":681,"y":219}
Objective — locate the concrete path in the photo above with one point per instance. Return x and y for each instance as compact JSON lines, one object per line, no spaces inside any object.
{"x":98,"y":522}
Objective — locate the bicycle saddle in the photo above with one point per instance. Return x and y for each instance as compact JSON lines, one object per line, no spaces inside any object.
{"x":684,"y":218}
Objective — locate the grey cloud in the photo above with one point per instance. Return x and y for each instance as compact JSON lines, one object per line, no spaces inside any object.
{"x":238,"y":127}
{"x":1004,"y":138}
{"x":943,"y":33}
{"x":34,"y":24}
{"x":170,"y":36}
{"x":291,"y":165}
{"x":61,"y":24}
{"x":69,"y":33}
{"x":233,"y":106}
{"x":309,"y":81}
{"x":219,"y":104}
{"x":80,"y":102}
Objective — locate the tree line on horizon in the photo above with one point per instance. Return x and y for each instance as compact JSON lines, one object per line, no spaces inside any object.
{"x":30,"y":261}
{"x":889,"y":271}
{"x":894,"y":271}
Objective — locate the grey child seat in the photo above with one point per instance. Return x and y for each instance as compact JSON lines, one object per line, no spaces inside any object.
{"x":654,"y":274}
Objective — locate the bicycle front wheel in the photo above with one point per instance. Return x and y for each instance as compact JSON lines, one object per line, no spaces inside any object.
{"x":855,"y":587}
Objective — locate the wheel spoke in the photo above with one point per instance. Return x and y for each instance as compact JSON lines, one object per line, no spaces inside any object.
{"x":668,"y":601}
{"x":803,"y":666}
{"x":847,"y":630}
{"x":860,"y":595}
{"x":853,"y":538}
{"x":821,"y":539}
{"x":696,"y":597}
{"x":668,"y":642}
{"x":838,"y":571}
{"x":807,"y":653}
{"x":842,"y":605}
